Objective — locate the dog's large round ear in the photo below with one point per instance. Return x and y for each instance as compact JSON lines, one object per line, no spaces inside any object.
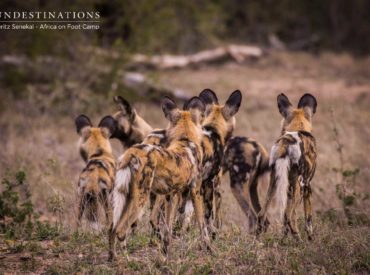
{"x":170,"y":109}
{"x":284,"y":105}
{"x":108,"y":125}
{"x":232,"y":105}
{"x":308,"y":103}
{"x":123,"y":105}
{"x":81,"y":123}
{"x":208,"y":97}
{"x":196,"y":107}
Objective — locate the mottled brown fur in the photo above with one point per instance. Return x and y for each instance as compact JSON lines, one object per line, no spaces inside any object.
{"x":247,"y":162}
{"x":218,"y":125}
{"x":293,"y":163}
{"x":131,"y":128}
{"x":97,"y":178}
{"x":165,"y":171}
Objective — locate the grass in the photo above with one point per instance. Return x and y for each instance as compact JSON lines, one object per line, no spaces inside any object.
{"x":38,"y":138}
{"x":335,"y":250}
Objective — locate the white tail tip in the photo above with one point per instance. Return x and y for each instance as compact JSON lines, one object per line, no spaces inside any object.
{"x":120,"y":191}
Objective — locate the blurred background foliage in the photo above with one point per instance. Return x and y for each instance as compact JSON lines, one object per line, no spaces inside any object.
{"x":185,"y":26}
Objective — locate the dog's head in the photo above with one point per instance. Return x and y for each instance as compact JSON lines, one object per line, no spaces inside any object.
{"x":184,"y":122}
{"x":221,"y":116}
{"x":94,"y":141}
{"x":125,"y":118}
{"x":131,"y":128}
{"x":300,"y":118}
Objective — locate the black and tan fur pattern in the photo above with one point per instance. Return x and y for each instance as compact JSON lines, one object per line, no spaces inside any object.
{"x":97,"y":178}
{"x":247,"y":162}
{"x":131,"y":128}
{"x":157,"y":137}
{"x":293,"y":163}
{"x":218,"y":125}
{"x":167,"y":171}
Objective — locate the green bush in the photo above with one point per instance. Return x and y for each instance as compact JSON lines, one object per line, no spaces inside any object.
{"x":17,"y":217}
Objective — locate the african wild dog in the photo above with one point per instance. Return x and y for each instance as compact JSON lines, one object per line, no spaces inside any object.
{"x":218,"y":125}
{"x":292,"y":164}
{"x":217,"y":128}
{"x":146,"y":168}
{"x":97,"y":178}
{"x":131,"y":128}
{"x":247,"y":162}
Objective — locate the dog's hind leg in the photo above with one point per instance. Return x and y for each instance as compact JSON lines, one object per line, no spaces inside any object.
{"x":155,"y":213}
{"x":199,"y":212}
{"x":307,"y":194}
{"x":171,"y":209}
{"x":218,"y":202}
{"x":261,"y":220}
{"x":81,"y":209}
{"x":241,"y":197}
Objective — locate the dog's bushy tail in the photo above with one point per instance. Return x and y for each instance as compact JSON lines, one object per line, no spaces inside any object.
{"x":121,"y":191}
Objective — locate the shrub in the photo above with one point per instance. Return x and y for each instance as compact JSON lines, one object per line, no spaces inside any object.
{"x":17,"y":217}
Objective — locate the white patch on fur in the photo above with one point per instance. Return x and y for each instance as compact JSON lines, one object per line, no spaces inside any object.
{"x":148,"y":148}
{"x":102,"y":185}
{"x":206,"y":133}
{"x":135,"y":163}
{"x":236,"y":168}
{"x":294,"y":150}
{"x":189,"y":210}
{"x":282,"y":166}
{"x":120,"y":158}
{"x":83,"y":182}
{"x":247,"y":176}
{"x":192,"y":145}
{"x":192,"y":183}
{"x":258,"y":159}
{"x":120,"y":191}
{"x":273,"y":154}
{"x":301,"y":182}
{"x":191,"y":157}
{"x":156,"y":135}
